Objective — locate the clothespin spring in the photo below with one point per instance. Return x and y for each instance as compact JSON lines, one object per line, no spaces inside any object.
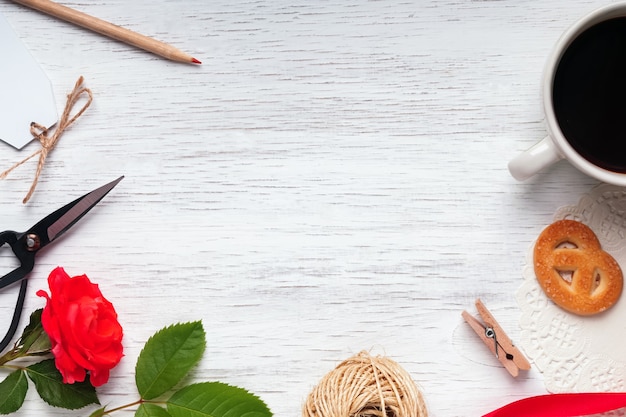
{"x":491,"y":333}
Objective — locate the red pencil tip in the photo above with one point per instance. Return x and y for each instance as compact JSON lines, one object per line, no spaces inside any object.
{"x":195,"y":61}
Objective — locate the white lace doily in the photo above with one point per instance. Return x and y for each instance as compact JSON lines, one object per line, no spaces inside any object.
{"x":574,"y":353}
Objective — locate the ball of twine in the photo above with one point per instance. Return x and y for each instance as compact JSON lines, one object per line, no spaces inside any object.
{"x":366,"y":386}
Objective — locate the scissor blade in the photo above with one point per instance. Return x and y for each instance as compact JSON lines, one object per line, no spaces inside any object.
{"x":57,"y":223}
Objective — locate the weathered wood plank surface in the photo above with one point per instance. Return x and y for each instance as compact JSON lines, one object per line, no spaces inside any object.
{"x":332,"y":178}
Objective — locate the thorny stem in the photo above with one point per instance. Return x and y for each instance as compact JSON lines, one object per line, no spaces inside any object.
{"x":16,"y":353}
{"x":10,"y":355}
{"x":122,"y":407}
{"x":14,"y":367}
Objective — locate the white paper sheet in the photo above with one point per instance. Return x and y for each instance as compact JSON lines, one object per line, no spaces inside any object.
{"x":25,"y":91}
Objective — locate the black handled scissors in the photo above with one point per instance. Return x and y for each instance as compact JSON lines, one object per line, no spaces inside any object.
{"x":26,"y":245}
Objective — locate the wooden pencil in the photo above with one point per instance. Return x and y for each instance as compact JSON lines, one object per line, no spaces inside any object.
{"x":109,"y":29}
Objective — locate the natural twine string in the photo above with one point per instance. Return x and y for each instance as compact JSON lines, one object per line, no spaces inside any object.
{"x":49,"y":142}
{"x":366,"y":386}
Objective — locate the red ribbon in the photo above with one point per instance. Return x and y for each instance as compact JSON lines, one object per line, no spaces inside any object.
{"x":562,"y":405}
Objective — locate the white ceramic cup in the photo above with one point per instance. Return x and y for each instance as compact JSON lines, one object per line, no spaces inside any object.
{"x":555,"y":146}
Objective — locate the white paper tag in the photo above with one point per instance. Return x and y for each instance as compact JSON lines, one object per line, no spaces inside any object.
{"x":25,"y":91}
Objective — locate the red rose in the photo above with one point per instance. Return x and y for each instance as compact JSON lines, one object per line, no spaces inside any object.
{"x":83,"y":328}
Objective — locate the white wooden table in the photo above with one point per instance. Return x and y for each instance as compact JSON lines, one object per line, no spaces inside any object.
{"x":333,"y":178}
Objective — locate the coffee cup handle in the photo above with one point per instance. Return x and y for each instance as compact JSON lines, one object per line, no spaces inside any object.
{"x":533,"y":160}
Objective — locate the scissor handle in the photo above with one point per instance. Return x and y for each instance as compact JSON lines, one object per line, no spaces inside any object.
{"x":27,"y":261}
{"x":17,"y":242}
{"x":17,"y":314}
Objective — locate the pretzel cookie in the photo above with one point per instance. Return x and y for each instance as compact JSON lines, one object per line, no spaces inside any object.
{"x":574,"y":271}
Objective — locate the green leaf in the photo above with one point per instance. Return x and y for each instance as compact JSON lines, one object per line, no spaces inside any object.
{"x":12,"y":392}
{"x":167,"y":357}
{"x":49,"y":384}
{"x":99,"y":412}
{"x":216,"y":399}
{"x":34,"y":339}
{"x":151,"y":410}
{"x":33,"y":324}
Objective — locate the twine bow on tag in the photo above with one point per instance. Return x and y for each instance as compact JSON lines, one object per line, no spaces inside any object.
{"x":49,"y":142}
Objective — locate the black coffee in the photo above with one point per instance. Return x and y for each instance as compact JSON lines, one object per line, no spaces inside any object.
{"x":589,"y":94}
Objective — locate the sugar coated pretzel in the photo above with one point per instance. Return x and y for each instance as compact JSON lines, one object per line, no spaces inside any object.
{"x":574,"y":271}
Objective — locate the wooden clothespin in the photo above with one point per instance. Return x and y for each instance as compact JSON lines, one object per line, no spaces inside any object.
{"x":496,"y":340}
